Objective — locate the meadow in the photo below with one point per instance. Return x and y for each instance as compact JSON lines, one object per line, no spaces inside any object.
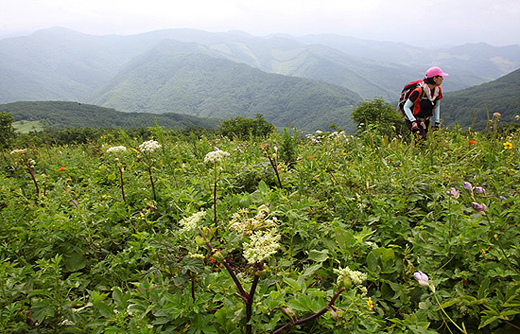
{"x":327,"y":233}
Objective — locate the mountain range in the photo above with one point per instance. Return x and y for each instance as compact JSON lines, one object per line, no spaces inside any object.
{"x":476,"y":105}
{"x":308,"y":81}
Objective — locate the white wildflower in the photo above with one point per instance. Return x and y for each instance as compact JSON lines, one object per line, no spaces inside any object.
{"x":191,"y":223}
{"x":242,"y":223}
{"x":348,"y":276}
{"x":116,"y":149}
{"x":149,"y":146}
{"x":19,"y":151}
{"x":215,"y":156}
{"x":261,"y":246}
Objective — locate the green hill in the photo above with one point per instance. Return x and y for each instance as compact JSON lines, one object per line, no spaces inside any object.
{"x":501,"y":95}
{"x":60,"y":114}
{"x":196,"y":84}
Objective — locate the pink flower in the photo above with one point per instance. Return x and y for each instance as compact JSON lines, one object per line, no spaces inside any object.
{"x":479,"y":207}
{"x":453,"y":192}
{"x":468,"y":186}
{"x":423,"y":279}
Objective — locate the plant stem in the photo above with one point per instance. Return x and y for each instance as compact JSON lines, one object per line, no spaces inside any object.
{"x":241,"y":290}
{"x":275,"y":168}
{"x":446,"y":314}
{"x":122,"y":183}
{"x":192,"y":279}
{"x":312,"y":317}
{"x":249,"y":303}
{"x":152,"y":183}
{"x":492,"y":225}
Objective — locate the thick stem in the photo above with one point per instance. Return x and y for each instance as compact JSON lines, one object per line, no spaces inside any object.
{"x":275,"y":171}
{"x":192,"y":279}
{"x":230,"y":270}
{"x":249,"y":304}
{"x":312,"y":317}
{"x":31,"y":171}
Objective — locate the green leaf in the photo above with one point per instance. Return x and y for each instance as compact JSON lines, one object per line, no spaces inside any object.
{"x":483,"y":291}
{"x":318,"y":256}
{"x":386,"y":254}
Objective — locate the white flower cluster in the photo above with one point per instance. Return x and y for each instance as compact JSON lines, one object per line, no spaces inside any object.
{"x":215,"y":156}
{"x":116,"y":149}
{"x":19,"y":151}
{"x":318,"y":136}
{"x":348,"y":275}
{"x":261,"y":245}
{"x":149,"y":146}
{"x":242,"y":223}
{"x":191,"y":223}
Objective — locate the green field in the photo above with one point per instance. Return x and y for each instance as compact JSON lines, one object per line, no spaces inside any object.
{"x":329,"y":234}
{"x":27,"y":126}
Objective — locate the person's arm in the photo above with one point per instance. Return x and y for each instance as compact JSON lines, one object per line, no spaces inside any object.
{"x":408,"y":110}
{"x":437,"y":113}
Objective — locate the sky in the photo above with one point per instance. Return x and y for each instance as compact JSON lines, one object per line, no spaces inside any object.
{"x":430,"y":23}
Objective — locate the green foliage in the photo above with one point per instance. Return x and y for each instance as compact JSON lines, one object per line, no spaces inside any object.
{"x":246,"y":128}
{"x":288,"y":149}
{"x":80,"y":259}
{"x":380,"y":114}
{"x":6,"y":129}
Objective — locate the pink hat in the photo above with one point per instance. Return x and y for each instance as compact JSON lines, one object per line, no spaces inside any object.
{"x":434,"y":72}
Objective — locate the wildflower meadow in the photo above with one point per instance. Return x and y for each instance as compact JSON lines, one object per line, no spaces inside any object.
{"x":328,"y":233}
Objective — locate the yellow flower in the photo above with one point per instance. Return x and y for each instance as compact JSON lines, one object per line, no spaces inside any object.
{"x":370,"y":304}
{"x":483,"y":251}
{"x":508,"y":145}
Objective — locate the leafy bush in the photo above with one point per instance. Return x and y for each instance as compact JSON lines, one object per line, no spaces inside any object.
{"x":364,"y":234}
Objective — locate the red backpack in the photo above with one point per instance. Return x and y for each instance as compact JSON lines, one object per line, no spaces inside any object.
{"x":405,"y":93}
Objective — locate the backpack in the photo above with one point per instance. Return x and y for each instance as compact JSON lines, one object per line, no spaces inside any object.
{"x":405,"y":93}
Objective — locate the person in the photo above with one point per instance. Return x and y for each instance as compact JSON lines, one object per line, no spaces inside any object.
{"x":423,"y":103}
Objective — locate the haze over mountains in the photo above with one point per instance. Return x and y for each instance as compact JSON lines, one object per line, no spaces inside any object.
{"x":309,"y":81}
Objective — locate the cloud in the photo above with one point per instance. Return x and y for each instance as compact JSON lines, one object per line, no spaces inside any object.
{"x":432,"y":22}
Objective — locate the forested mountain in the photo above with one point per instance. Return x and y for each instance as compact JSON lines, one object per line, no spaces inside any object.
{"x":166,"y":80}
{"x":62,"y":64}
{"x":471,"y":64}
{"x":59,"y":114}
{"x":480,"y":102}
{"x":124,"y":72}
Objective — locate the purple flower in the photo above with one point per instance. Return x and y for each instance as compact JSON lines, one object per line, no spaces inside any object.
{"x":423,"y":279}
{"x":468,"y":186}
{"x":479,"y":207}
{"x":480,"y":190}
{"x":453,"y":192}
{"x":502,"y":198}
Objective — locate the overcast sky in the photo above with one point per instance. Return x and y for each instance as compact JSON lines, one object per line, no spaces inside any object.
{"x":422,"y":23}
